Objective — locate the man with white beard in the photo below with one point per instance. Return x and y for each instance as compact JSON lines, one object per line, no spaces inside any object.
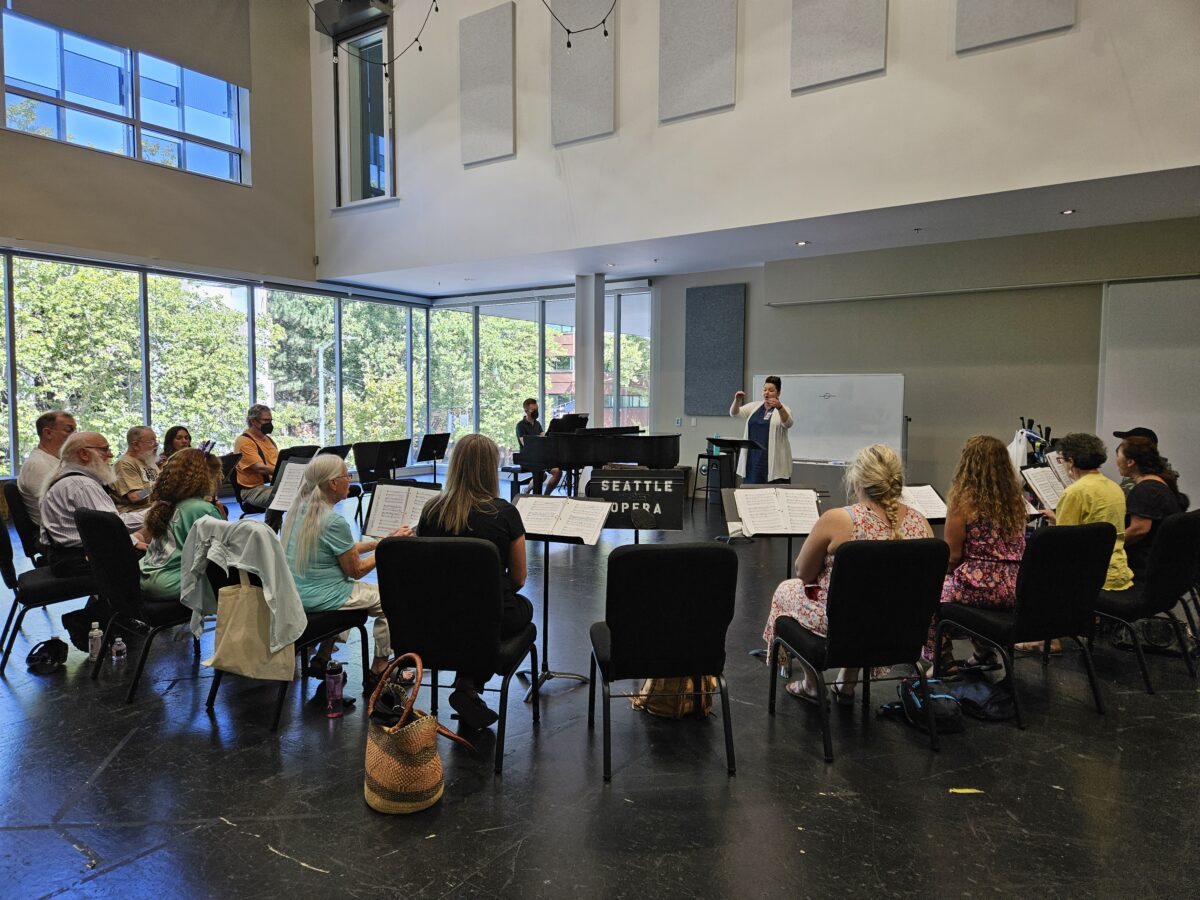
{"x":80,"y":482}
{"x":137,"y":470}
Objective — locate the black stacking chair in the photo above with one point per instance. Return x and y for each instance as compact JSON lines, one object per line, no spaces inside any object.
{"x":321,"y":627}
{"x":26,"y":530}
{"x":1169,"y":576}
{"x":118,"y":581}
{"x":1061,"y":573}
{"x":32,"y":590}
{"x":443,"y":601}
{"x":665,"y":616}
{"x":882,"y":596}
{"x":229,"y":465}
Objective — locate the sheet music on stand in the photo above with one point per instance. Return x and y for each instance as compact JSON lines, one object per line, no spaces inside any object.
{"x":776,"y":511}
{"x":1044,"y":484}
{"x":287,"y":483}
{"x":395,"y":505}
{"x":564,"y":517}
{"x":925,"y":499}
{"x":1059,"y":466}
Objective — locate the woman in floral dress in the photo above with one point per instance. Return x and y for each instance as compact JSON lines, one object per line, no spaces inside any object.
{"x":876,"y":478}
{"x":985,"y":528}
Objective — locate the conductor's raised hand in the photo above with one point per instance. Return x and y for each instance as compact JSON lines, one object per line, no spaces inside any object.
{"x":739,"y":396}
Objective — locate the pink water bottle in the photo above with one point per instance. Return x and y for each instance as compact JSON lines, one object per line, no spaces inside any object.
{"x":334,"y":680}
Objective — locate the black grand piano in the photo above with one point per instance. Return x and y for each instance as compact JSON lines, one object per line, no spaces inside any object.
{"x":574,"y":451}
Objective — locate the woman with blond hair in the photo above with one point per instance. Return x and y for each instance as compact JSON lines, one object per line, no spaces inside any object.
{"x":985,"y":528}
{"x":327,"y":562}
{"x":875,"y":478}
{"x":181,"y":494}
{"x":469,"y":507}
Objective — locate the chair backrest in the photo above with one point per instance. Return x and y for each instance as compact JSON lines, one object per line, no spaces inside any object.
{"x":442,"y":598}
{"x":882,"y":597}
{"x":114,"y":561}
{"x":26,"y":530}
{"x":1061,"y":574}
{"x":1174,"y":560}
{"x":8,"y":571}
{"x":668,"y":607}
{"x":229,"y":463}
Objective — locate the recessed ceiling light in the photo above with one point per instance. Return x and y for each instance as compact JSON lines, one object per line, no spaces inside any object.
{"x":611,"y":265}
{"x":1067,"y":212}
{"x":801,"y":243}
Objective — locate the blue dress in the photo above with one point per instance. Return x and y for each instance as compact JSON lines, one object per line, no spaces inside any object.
{"x":756,"y":460}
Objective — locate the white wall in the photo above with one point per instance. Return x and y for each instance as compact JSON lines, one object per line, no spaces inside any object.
{"x":1115,"y":95}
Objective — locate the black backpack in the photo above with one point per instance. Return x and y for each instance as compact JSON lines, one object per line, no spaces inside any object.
{"x":947,"y":712}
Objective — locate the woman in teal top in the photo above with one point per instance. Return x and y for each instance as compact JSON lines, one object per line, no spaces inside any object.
{"x":180,"y":496}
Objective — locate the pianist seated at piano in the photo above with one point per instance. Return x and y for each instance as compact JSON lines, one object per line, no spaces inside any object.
{"x":468,"y":506}
{"x":530,"y":427}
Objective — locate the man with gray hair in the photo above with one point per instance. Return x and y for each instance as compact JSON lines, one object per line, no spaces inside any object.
{"x":80,"y":482}
{"x":137,"y":470}
{"x":256,"y":467}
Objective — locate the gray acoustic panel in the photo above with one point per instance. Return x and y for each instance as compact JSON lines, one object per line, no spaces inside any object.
{"x":486,"y":84}
{"x":834,"y":40}
{"x":697,"y":56}
{"x":583,"y":78}
{"x":981,"y":23}
{"x":714,"y":341}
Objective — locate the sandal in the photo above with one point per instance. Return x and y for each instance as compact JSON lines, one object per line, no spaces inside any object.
{"x":843,"y":697}
{"x":980,"y":662}
{"x":796,"y":690}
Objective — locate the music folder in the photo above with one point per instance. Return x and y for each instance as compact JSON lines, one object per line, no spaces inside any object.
{"x":287,"y":483}
{"x":778,"y":511}
{"x":395,"y":505}
{"x":563,"y":517}
{"x":925,"y":499}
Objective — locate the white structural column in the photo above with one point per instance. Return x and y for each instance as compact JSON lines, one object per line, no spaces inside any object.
{"x":589,"y":347}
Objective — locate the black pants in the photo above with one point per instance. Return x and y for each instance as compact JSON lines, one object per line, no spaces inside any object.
{"x":68,"y":562}
{"x":514,"y":618}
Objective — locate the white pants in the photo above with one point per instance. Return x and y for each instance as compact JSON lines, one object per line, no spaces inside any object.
{"x":366,"y":596}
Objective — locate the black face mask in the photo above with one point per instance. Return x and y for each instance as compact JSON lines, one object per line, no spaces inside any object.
{"x":266,"y":427}
{"x":533,"y":414}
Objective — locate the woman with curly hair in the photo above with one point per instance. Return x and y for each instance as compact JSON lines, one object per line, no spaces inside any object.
{"x":875,"y":477}
{"x":181,"y":495}
{"x":1154,"y":496}
{"x":985,"y":528}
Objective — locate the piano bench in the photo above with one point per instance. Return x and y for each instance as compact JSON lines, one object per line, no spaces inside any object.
{"x":515,"y":481}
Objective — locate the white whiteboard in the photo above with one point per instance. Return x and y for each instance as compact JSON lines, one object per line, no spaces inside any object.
{"x":838,"y":415}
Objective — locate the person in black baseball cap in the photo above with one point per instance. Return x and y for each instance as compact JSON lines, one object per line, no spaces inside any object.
{"x":1136,"y":433}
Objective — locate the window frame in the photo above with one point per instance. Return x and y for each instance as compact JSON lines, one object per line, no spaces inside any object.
{"x":344,"y":61}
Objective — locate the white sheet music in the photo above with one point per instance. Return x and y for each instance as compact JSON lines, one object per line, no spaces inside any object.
{"x":394,"y":505}
{"x":925,"y":499}
{"x":776,"y":510}
{"x":1059,"y":466}
{"x":1045,"y":485}
{"x":288,"y":483}
{"x":564,"y":517}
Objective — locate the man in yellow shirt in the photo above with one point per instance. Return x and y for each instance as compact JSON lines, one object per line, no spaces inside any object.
{"x":259,"y":455}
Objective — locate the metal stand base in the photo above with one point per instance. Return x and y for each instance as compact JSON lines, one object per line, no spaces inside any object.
{"x":734,"y":539}
{"x":545,"y":675}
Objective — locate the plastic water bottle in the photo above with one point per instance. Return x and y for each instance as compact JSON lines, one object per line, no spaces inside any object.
{"x":119,"y":650}
{"x":95,"y":641}
{"x":333,"y":689}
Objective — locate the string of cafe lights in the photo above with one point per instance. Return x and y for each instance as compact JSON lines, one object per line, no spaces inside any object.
{"x":603,"y":23}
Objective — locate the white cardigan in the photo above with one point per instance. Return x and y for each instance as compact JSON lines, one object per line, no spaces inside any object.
{"x":779,"y":448}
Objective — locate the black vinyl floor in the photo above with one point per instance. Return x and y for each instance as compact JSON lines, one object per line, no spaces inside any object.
{"x":159,"y":798}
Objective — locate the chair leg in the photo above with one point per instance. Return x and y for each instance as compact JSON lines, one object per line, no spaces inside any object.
{"x":604,"y":688}
{"x":12,"y":611}
{"x":823,"y":706}
{"x":141,"y":663}
{"x":433,"y":692}
{"x":730,"y":761}
{"x":533,"y":681}
{"x":1091,"y":673}
{"x":772,"y":656}
{"x":366,"y":660}
{"x":1046,"y":652}
{"x":283,"y":686}
{"x":698,"y":696}
{"x":591,"y":692}
{"x":1183,"y":648}
{"x":12,"y":634}
{"x":866,"y":688}
{"x":212,"y":691}
{"x":1141,"y":656}
{"x":1006,"y":656}
{"x":930,"y":719}
{"x":501,"y":721}
{"x":104,"y":641}
{"x":1187,"y":612}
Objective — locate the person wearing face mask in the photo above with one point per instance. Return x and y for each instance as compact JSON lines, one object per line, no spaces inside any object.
{"x":137,"y":469}
{"x":529,"y":426}
{"x":259,"y":456}
{"x":767,"y":423}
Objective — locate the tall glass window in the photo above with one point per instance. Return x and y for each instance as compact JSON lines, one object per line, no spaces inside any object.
{"x":634,"y":383}
{"x":451,"y":352}
{"x":560,"y":358}
{"x":366,"y":144}
{"x":7,"y":454}
{"x":610,"y":362}
{"x":420,"y":417}
{"x":78,"y":347}
{"x":374,"y":371}
{"x":508,"y":370}
{"x":294,"y":357}
{"x":199,"y":371}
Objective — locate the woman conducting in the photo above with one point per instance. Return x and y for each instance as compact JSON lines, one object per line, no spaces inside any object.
{"x":767,"y":423}
{"x":875,"y":477}
{"x":468,"y":507}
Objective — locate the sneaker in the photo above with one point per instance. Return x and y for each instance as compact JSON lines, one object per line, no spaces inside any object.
{"x":472,"y":711}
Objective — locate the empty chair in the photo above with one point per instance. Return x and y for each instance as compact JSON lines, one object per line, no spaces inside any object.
{"x":666,"y":612}
{"x":1169,"y":576}
{"x":443,"y":599}
{"x":882,"y":596}
{"x":27,"y":531}
{"x":1061,"y":573}
{"x":118,"y":582}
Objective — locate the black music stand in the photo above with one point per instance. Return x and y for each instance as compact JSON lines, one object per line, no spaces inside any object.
{"x":433,"y":448}
{"x":342,"y":450}
{"x":393,"y":455}
{"x":568,"y":423}
{"x":733,"y":447}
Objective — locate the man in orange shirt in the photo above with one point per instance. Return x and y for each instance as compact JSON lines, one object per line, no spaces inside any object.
{"x":259,"y":456}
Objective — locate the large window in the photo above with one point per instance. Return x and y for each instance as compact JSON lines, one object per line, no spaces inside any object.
{"x":199,"y":370}
{"x":296,"y":371}
{"x":78,"y":346}
{"x":7,"y":451}
{"x":508,"y":370}
{"x":73,"y":88}
{"x":420,"y":416}
{"x":451,"y":352}
{"x":560,"y":358}
{"x":374,"y":371}
{"x":365,"y":130}
{"x":610,"y":361}
{"x":634,"y":369}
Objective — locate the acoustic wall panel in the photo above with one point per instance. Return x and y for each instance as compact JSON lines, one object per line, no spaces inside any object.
{"x":697,"y":56}
{"x":714,"y":339}
{"x":486,"y":84}
{"x":834,"y":40}
{"x":582,"y":78}
{"x":981,"y":23}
